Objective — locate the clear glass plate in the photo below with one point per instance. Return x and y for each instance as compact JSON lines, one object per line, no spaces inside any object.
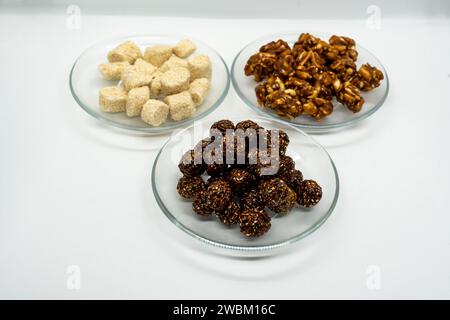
{"x":341,"y":116}
{"x":310,"y":157}
{"x":85,"y":82}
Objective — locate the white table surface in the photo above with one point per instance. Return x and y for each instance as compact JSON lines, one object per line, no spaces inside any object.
{"x":75,"y":192}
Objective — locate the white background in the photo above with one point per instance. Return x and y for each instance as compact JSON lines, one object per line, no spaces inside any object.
{"x":75,"y":192}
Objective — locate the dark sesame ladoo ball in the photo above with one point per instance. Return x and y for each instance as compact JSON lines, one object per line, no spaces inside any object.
{"x":216,"y":169}
{"x":200,"y":205}
{"x":283,"y":140}
{"x":265,"y":164}
{"x":222,"y":126}
{"x":286,"y":201}
{"x":230,"y":215}
{"x":213,"y":178}
{"x":188,"y":187}
{"x":247,"y":124}
{"x":239,"y":178}
{"x":277,"y":195}
{"x":309,"y":193}
{"x":293,"y":179}
{"x":188,"y":165}
{"x":254,"y":222}
{"x":218,"y":194}
{"x":251,"y":199}
{"x":285,"y":166}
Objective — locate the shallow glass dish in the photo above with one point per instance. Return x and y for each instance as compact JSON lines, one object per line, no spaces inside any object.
{"x":341,"y":116}
{"x":85,"y":82}
{"x":310,"y":157}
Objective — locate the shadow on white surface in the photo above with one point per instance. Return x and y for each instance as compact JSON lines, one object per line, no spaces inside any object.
{"x":195,"y":254}
{"x":123,"y":139}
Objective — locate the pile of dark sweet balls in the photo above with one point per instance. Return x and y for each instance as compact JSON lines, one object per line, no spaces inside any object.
{"x":236,"y":191}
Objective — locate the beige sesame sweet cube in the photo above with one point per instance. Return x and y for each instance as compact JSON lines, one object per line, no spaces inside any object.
{"x":157,"y":54}
{"x":127,"y":51}
{"x":200,"y":67}
{"x":199,"y":89}
{"x":184,"y":48}
{"x":143,"y":65}
{"x":155,"y":112}
{"x":112,"y":99}
{"x":173,"y":62}
{"x":175,"y":80}
{"x":135,"y":77}
{"x":112,"y":70}
{"x":181,"y":105}
{"x":137,"y":97}
{"x":155,"y":85}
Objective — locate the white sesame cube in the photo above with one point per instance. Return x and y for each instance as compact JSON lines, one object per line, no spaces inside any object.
{"x":143,"y":65}
{"x":173,"y":62}
{"x":155,"y":112}
{"x":112,"y":70}
{"x":200,"y":67}
{"x":137,"y":97}
{"x":155,"y":85}
{"x":157,"y":54}
{"x":199,"y":89}
{"x":175,"y":80}
{"x":135,"y":77}
{"x":112,"y":99}
{"x":181,"y":105}
{"x":127,"y":51}
{"x":184,"y":48}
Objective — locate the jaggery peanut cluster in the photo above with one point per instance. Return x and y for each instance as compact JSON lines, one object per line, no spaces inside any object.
{"x":156,"y":84}
{"x":242,"y":174}
{"x":303,"y":79}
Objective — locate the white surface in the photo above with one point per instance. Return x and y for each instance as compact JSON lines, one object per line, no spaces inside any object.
{"x":74,"y":192}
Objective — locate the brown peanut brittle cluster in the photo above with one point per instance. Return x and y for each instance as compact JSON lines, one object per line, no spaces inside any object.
{"x":242,"y":192}
{"x":305,"y":78}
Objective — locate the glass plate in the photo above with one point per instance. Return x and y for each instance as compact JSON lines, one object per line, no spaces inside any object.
{"x":310,"y":157}
{"x":341,"y":116}
{"x":85,"y":82}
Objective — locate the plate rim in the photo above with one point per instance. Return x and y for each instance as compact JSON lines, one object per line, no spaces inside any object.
{"x":248,"y":249}
{"x":306,"y":127}
{"x":149,"y":129}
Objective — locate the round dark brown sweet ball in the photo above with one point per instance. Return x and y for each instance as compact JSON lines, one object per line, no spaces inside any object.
{"x":211,"y":179}
{"x":222,"y":126}
{"x":264,"y":166}
{"x":200,"y":205}
{"x":286,"y":165}
{"x":230,"y":215}
{"x":218,"y":194}
{"x":277,"y":195}
{"x":254,"y":222}
{"x":189,"y":166}
{"x":248,"y":124}
{"x":251,"y":199}
{"x":293,"y":179}
{"x":283,"y":140}
{"x":216,"y":169}
{"x":309,"y":193}
{"x":188,"y":187}
{"x":239,"y":178}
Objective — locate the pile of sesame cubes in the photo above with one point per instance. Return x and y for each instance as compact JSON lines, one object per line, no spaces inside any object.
{"x":163,"y":81}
